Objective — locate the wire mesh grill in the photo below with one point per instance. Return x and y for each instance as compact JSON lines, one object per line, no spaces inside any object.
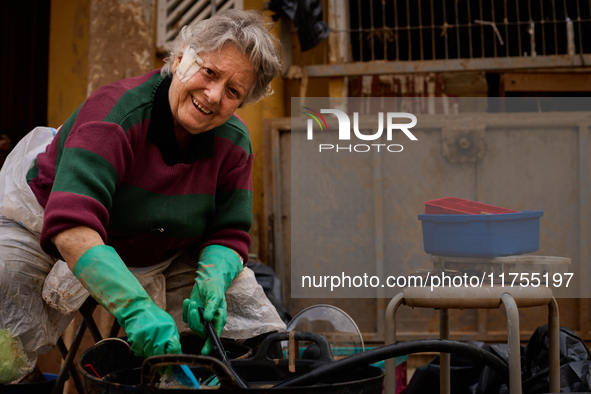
{"x":417,"y":30}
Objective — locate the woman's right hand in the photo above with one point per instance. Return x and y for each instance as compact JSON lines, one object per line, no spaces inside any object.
{"x":150,"y":330}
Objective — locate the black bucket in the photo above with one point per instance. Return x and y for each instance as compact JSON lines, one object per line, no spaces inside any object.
{"x":260,"y":372}
{"x":44,"y":387}
{"x":113,"y":358}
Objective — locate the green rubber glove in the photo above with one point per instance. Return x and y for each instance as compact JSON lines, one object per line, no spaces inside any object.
{"x":150,"y":330}
{"x":217,"y":268}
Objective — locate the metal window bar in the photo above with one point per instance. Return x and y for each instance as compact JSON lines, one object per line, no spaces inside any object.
{"x":579,"y":24}
{"x":506,"y":23}
{"x":494,"y":24}
{"x":432,"y":32}
{"x":519,"y":47}
{"x":542,"y":20}
{"x":555,"y":30}
{"x":396,"y":30}
{"x":458,"y":46}
{"x":421,"y":33}
{"x":360,"y":29}
{"x":386,"y":36}
{"x":481,"y":33}
{"x":373,"y":31}
{"x":174,"y":14}
{"x":468,"y":29}
{"x":445,"y":28}
{"x":408,"y":31}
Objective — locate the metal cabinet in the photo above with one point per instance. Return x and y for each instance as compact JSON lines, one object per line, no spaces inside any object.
{"x":526,"y":161}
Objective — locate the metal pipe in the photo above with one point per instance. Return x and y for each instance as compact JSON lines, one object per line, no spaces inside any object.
{"x":390,"y":336}
{"x":514,"y":345}
{"x":445,"y":358}
{"x":554,"y":346}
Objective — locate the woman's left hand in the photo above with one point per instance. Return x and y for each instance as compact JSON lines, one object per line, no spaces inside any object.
{"x":217,"y":268}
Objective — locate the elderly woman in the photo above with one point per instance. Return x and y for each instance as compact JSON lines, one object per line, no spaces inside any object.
{"x":144,"y":169}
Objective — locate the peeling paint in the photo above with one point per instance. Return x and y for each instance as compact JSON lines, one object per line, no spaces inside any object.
{"x":144,"y":59}
{"x":121,"y":40}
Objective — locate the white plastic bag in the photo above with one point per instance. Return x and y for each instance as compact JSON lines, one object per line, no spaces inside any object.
{"x":17,"y":201}
{"x":250,"y":313}
{"x":62,"y":290}
{"x":23,"y":312}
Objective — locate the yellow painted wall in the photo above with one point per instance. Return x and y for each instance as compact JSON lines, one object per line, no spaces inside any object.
{"x":68,"y":58}
{"x":253,"y":115}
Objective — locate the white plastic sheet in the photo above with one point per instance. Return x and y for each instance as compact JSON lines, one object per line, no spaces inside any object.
{"x":23,"y":269}
{"x":17,"y":201}
{"x":62,"y":290}
{"x":250,"y":313}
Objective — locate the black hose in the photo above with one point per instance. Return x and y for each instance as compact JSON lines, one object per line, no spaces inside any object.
{"x":401,"y":349}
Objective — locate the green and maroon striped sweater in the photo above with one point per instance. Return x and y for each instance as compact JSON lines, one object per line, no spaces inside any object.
{"x":115,"y":167}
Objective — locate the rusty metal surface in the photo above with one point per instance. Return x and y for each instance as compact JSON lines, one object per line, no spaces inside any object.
{"x":425,"y":66}
{"x":546,"y":82}
{"x":463,"y":144}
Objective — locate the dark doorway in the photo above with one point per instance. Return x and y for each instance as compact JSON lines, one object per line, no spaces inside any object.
{"x":24,"y":67}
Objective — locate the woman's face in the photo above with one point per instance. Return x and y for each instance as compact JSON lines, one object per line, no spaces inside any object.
{"x":210,"y":97}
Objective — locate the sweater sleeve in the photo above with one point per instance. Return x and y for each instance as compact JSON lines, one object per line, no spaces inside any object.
{"x":92,"y":159}
{"x":233,"y":202}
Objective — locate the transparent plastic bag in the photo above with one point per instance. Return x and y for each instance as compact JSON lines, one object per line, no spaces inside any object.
{"x":17,"y":201}
{"x":23,"y":312}
{"x":62,"y":290}
{"x":250,"y":313}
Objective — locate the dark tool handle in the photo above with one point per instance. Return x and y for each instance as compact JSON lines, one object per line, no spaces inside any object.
{"x":261,"y":357}
{"x":151,"y":365}
{"x":219,"y":348}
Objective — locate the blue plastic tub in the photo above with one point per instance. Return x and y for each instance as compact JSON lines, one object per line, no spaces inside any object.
{"x":482,"y":235}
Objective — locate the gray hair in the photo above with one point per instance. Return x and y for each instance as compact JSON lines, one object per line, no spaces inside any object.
{"x":249,"y":30}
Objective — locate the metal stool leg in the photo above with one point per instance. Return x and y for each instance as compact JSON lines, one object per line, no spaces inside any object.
{"x":114,"y":329}
{"x":390,"y":332}
{"x":86,"y":311}
{"x":69,"y":359}
{"x":444,"y":358}
{"x":514,"y":344}
{"x":71,"y":367}
{"x":554,"y":343}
